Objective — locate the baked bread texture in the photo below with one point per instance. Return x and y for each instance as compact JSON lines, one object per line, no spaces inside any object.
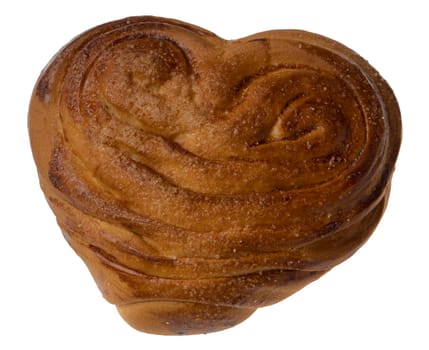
{"x":200,"y":178}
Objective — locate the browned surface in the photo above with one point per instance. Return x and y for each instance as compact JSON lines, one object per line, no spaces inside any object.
{"x":200,"y":178}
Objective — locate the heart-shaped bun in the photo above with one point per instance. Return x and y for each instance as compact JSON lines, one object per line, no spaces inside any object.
{"x":200,"y":178}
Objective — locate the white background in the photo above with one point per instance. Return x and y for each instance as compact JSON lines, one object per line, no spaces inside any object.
{"x":376,"y":300}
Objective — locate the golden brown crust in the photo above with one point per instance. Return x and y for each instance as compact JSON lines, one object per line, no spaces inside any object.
{"x":201,"y":178}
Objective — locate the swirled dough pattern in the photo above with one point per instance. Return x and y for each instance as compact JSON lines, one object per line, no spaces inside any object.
{"x":201,"y":178}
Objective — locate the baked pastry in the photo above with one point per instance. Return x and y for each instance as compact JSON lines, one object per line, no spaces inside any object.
{"x":199,"y":178}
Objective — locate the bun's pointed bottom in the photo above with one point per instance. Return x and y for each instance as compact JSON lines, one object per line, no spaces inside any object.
{"x":181,"y":318}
